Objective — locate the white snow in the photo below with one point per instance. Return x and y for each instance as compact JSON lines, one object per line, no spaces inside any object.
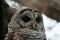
{"x":52,"y":28}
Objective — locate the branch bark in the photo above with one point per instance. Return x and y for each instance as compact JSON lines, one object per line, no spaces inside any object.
{"x":49,"y":7}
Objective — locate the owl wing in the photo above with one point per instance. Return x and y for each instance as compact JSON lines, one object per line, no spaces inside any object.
{"x":14,"y":36}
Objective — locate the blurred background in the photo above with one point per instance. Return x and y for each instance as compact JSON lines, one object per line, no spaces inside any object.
{"x":50,"y":10}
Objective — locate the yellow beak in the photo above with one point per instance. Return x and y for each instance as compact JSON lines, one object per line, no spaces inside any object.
{"x":33,"y":26}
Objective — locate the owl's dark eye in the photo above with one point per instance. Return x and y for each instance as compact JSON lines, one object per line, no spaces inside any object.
{"x":26,"y":18}
{"x":38,"y":19}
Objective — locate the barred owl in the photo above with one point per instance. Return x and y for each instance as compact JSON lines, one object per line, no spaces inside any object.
{"x":26,"y":24}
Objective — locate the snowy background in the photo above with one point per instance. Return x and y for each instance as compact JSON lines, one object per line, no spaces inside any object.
{"x":52,"y":27}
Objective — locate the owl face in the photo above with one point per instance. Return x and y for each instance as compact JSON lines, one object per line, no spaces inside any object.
{"x":27,"y":18}
{"x":30,"y":19}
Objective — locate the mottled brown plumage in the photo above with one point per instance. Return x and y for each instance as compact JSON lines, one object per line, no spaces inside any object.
{"x":26,"y":24}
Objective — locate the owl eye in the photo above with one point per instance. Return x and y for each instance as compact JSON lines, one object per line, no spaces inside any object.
{"x":26,"y":18}
{"x":38,"y":19}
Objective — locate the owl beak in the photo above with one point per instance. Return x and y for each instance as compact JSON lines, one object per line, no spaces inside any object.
{"x":33,"y":26}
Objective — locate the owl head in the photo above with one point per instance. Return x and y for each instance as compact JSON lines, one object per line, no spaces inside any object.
{"x":26,"y":18}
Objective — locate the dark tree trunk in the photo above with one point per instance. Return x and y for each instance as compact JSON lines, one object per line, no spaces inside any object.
{"x":6,"y":15}
{"x":1,"y":20}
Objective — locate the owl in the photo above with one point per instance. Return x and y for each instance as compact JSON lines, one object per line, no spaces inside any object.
{"x":26,"y":24}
